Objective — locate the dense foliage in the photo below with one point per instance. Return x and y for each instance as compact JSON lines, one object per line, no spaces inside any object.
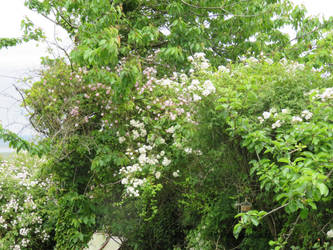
{"x":150,"y":139}
{"x":25,"y":198}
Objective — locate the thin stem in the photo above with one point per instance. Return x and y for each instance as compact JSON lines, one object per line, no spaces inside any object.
{"x":275,"y":209}
{"x":293,"y":228}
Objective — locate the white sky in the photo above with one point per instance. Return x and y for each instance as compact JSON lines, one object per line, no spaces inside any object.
{"x":19,"y":61}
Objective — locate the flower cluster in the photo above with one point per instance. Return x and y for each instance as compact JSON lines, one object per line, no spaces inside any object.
{"x":283,"y":117}
{"x":144,"y":153}
{"x":199,"y":61}
{"x":325,"y":95}
{"x":19,"y":210}
{"x":150,"y":138}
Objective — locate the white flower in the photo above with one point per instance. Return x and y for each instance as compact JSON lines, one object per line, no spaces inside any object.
{"x":162,"y":153}
{"x":204,"y":65}
{"x":266,"y":115}
{"x":277,"y":124}
{"x":253,"y":60}
{"x":269,"y":61}
{"x":25,"y":242}
{"x":136,"y":167}
{"x":298,"y":66}
{"x":296,"y":119}
{"x":330,"y":234}
{"x":261,"y":120}
{"x":17,"y":247}
{"x":171,"y":130}
{"x":285,"y":111}
{"x":327,"y":94}
{"x":24,"y":231}
{"x":137,"y":182}
{"x":173,"y":116}
{"x":143,"y":133}
{"x":183,"y":77}
{"x":283,"y":61}
{"x":121,"y":139}
{"x":124,"y":181}
{"x":142,"y":159}
{"x":133,"y":123}
{"x":188,"y":150}
{"x":196,"y":97}
{"x":208,"y":88}
{"x":142,"y":150}
{"x":272,"y":110}
{"x":198,"y":152}
{"x":136,"y":124}
{"x":195,"y":82}
{"x":325,"y":75}
{"x":176,"y":174}
{"x":130,"y":190}
{"x":166,"y":162}
{"x":306,"y":114}
{"x":135,"y":134}
{"x":223,"y":69}
{"x":199,"y":55}
{"x":136,"y":193}
{"x":158,"y":175}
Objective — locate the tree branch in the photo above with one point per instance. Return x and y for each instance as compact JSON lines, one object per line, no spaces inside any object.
{"x":293,"y":228}
{"x":275,"y":209}
{"x":26,"y":108}
{"x":219,"y":8}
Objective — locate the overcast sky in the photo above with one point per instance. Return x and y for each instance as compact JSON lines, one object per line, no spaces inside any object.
{"x":20,"y":61}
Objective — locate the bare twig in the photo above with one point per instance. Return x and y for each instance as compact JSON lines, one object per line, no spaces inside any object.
{"x":258,"y":156}
{"x":322,"y":229}
{"x":105,"y":242}
{"x":28,"y":111}
{"x":217,"y":242}
{"x":275,"y":209}
{"x":51,"y":20}
{"x":330,"y":172}
{"x":293,"y":228}
{"x":236,"y":247}
{"x":63,"y":18}
{"x":11,"y":77}
{"x":65,"y":52}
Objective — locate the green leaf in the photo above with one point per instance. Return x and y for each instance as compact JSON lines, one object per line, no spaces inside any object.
{"x":237,"y":229}
{"x":254,"y":220}
{"x":323,"y":189}
{"x":285,"y":160}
